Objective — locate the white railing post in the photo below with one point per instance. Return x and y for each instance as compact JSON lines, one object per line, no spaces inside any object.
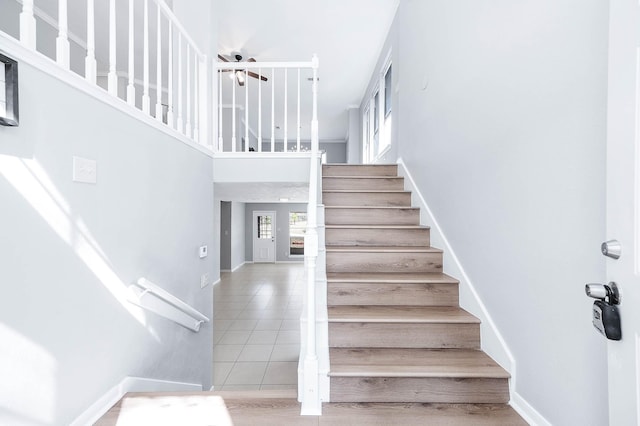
{"x":196,"y":97}
{"x":246,"y":111}
{"x":90,"y":65}
{"x":131,"y":90}
{"x":260,"y":111}
{"x":170,"y":78}
{"x":158,"y":65}
{"x":112,"y":77}
{"x":179,"y":121}
{"x":28,"y":25}
{"x":146,"y":100}
{"x":273,"y":109}
{"x":286,"y":88}
{"x":220,"y":138}
{"x":62,"y":42}
{"x":233,"y":113}
{"x":188,"y":122}
{"x":311,"y":404}
{"x":298,"y":120}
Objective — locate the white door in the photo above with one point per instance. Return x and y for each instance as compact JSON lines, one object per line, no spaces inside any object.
{"x":623,"y":208}
{"x":264,"y":237}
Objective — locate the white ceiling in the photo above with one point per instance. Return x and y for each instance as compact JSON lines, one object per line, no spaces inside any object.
{"x":347,"y":36}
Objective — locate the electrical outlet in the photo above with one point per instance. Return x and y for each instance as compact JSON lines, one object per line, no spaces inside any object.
{"x":204,"y":280}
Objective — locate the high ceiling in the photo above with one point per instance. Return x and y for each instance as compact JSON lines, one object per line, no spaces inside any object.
{"x":347,"y":36}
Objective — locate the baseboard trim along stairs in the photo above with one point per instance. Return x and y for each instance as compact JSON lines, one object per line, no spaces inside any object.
{"x":396,"y":331}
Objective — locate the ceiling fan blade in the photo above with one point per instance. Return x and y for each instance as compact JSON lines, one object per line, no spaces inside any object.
{"x":222,"y":58}
{"x":254,"y":75}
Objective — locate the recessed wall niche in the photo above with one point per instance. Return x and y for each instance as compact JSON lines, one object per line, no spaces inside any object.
{"x":8,"y":91}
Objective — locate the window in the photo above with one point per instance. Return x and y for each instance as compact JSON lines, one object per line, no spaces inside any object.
{"x":265,"y":228}
{"x":376,"y":118}
{"x":8,"y":91}
{"x":297,"y":228}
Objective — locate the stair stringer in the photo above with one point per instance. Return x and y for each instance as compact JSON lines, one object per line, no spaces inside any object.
{"x":492,"y":341}
{"x":322,"y":318}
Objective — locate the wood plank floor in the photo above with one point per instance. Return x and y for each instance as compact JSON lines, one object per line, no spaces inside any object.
{"x":281,"y":408}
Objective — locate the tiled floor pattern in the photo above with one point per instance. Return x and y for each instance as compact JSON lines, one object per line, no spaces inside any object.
{"x":256,"y":327}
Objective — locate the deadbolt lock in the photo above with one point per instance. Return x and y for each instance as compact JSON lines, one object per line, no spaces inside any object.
{"x":611,"y":248}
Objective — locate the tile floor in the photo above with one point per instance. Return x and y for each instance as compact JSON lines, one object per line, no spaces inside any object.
{"x":256,"y":327}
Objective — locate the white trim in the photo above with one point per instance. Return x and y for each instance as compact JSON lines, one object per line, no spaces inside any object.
{"x":13,"y":47}
{"x":526,"y":411}
{"x":218,"y":281}
{"x":492,"y":341}
{"x":129,"y":384}
{"x":237,"y":267}
{"x":291,"y":261}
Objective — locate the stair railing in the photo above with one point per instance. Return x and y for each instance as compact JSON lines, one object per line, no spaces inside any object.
{"x":165,"y":304}
{"x":263,"y":106}
{"x":166,"y":86}
{"x":311,"y":397}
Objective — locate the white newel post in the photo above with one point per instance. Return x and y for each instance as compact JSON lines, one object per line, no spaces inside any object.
{"x":220,"y":139}
{"x":62,"y":42}
{"x":170,"y":99}
{"x":146,"y":99}
{"x":311,"y":403}
{"x":28,"y":25}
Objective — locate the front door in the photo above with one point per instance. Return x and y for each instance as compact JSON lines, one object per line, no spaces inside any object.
{"x":264,"y":237}
{"x":623,"y":207}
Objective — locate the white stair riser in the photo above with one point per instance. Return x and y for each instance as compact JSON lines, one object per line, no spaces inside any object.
{"x":377,"y":237}
{"x":372,"y":216}
{"x":413,"y":389}
{"x":404,"y":335}
{"x":384,"y":262}
{"x":379,"y":294}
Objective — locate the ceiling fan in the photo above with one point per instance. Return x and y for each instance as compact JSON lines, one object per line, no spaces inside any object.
{"x":239,"y":73}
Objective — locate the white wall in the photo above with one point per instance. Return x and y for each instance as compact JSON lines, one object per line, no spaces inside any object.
{"x":237,"y":234}
{"x":69,"y":250}
{"x":354,"y":141}
{"x":502,"y":109}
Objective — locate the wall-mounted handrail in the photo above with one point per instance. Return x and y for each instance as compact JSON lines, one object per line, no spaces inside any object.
{"x":186,"y":315}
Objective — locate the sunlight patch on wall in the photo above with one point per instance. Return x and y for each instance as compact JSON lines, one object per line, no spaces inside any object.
{"x":31,"y":371}
{"x":33,"y":183}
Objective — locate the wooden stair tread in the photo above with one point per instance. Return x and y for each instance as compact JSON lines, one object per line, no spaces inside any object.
{"x":383,"y":249}
{"x":414,"y":414}
{"x":390,"y":226}
{"x":413,"y":362}
{"x":366,"y":191}
{"x":387,"y":277}
{"x":401,"y":314}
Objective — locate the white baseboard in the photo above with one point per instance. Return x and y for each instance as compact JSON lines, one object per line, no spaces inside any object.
{"x":492,"y":341}
{"x":238,"y":267}
{"x":129,"y":384}
{"x":526,"y":411}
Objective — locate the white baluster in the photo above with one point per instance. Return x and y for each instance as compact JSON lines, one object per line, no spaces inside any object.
{"x":131,"y":90}
{"x":188,"y":123}
{"x":28,"y":25}
{"x":90,"y":65}
{"x":112,"y":77}
{"x":233,"y":113}
{"x":196,"y":97}
{"x":246,"y":111}
{"x":260,"y":110}
{"x":286,"y":87}
{"x":170,"y":77}
{"x":298,"y":121}
{"x":158,"y":66}
{"x":220,"y":138}
{"x":146,"y":100}
{"x":273,"y":109}
{"x":62,"y":42}
{"x":179,"y":121}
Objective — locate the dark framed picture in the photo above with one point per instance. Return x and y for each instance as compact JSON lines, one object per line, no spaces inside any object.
{"x":8,"y":91}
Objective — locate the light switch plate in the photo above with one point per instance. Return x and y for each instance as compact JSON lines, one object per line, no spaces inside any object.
{"x":203,"y":252}
{"x":84,"y":170}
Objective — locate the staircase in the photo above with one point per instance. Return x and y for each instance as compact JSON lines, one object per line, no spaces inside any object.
{"x":396,"y":331}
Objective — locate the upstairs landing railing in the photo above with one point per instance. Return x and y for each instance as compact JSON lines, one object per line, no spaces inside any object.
{"x":266,"y":106}
{"x":164,"y":74}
